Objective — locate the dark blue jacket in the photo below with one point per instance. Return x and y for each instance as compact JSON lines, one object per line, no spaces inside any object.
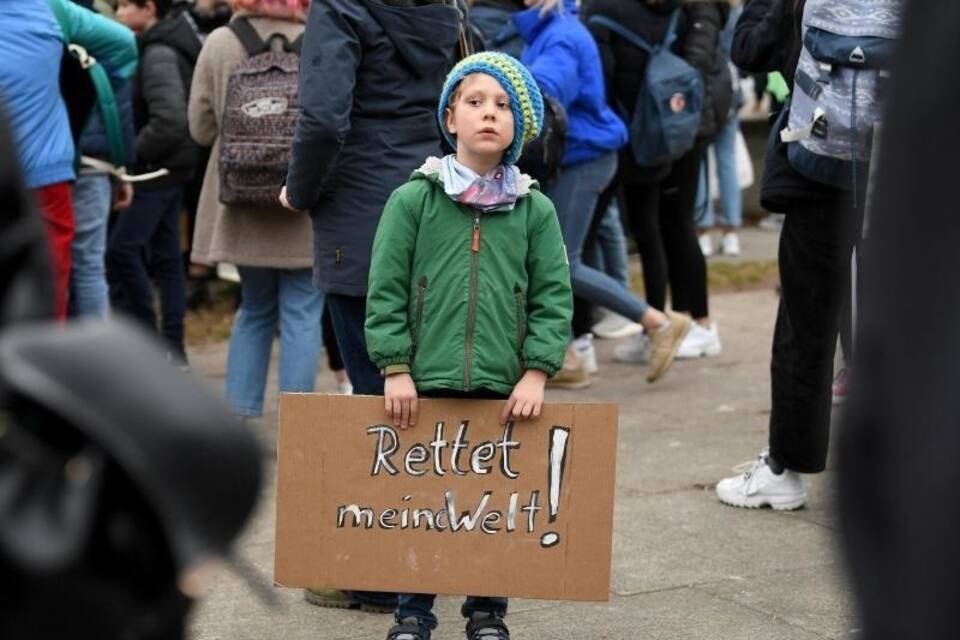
{"x":370,"y":77}
{"x":563,"y":57}
{"x":94,"y":143}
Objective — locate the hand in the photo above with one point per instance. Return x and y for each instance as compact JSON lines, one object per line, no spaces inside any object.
{"x":526,"y":401}
{"x":122,"y":196}
{"x":546,"y":6}
{"x":400,"y":400}
{"x":286,"y":203}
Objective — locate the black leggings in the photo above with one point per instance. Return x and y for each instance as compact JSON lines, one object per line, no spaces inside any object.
{"x":334,"y":359}
{"x":662,"y":222}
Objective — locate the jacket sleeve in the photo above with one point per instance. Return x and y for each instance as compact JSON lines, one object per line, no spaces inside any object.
{"x":699,"y":45}
{"x":760,"y":41}
{"x":201,"y":111}
{"x":555,"y":70}
{"x":328,"y":73}
{"x":163,"y":92}
{"x":389,"y":342}
{"x":111,"y":43}
{"x":549,"y":294}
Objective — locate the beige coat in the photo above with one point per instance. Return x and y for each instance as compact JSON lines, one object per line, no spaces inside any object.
{"x":279,"y":239}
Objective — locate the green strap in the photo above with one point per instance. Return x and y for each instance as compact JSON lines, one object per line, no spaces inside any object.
{"x":110,"y":114}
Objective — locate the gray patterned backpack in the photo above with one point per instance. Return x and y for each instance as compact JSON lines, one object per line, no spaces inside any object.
{"x":259,"y":116}
{"x":839,"y":89}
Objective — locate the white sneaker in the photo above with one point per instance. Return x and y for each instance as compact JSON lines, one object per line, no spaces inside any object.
{"x":635,"y":351}
{"x":706,"y":245}
{"x":730,"y":245}
{"x":614,"y":326}
{"x":344,"y":388}
{"x":700,"y":343}
{"x":757,"y":486}
{"x":586,"y":352}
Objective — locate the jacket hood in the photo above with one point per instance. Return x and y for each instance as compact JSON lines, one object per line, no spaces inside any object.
{"x":426,"y":36}
{"x":176,"y":33}
{"x":430,"y":171}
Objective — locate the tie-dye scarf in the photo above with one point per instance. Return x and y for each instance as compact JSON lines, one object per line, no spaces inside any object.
{"x":285,"y":9}
{"x":498,"y":190}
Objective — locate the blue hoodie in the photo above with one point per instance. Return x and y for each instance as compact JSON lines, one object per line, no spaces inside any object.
{"x":30,"y":53}
{"x":565,"y":61}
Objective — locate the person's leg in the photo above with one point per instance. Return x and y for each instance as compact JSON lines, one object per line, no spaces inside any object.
{"x":301,"y":308}
{"x":254,"y":327}
{"x":348,"y":314}
{"x":815,"y":249}
{"x":704,"y":213}
{"x":419,"y":606}
{"x":731,"y":197}
{"x":475,"y":604}
{"x":643,"y":214}
{"x":88,"y":275}
{"x":613,"y":245}
{"x":166,"y":264}
{"x":56,"y":209}
{"x":126,"y":248}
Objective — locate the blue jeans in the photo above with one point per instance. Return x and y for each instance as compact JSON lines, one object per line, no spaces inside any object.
{"x":149,"y":233}
{"x":348,"y":314}
{"x":731,"y":196}
{"x":89,"y":294}
{"x":420,"y":606}
{"x":272,"y":298}
{"x":575,"y":196}
{"x":609,"y":251}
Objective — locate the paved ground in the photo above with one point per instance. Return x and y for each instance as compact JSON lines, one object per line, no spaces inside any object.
{"x":684,"y":566}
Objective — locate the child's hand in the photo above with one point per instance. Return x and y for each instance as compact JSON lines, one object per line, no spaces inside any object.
{"x":400,"y":400}
{"x":526,"y":401}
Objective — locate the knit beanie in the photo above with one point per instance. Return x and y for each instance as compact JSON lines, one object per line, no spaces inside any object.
{"x":525,"y":99}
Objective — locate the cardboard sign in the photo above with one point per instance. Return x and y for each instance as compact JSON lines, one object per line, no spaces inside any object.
{"x":458,"y":504}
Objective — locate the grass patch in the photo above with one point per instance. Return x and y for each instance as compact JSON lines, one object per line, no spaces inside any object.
{"x":213,"y":321}
{"x":726,"y":277}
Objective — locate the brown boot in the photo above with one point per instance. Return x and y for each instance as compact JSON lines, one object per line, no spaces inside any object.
{"x":664,"y":344}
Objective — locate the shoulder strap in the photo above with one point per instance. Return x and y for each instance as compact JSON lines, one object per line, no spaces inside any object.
{"x":248,"y":36}
{"x":671,"y":36}
{"x":623,"y":32}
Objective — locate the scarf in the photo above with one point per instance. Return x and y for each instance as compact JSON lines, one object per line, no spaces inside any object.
{"x":497,"y":190}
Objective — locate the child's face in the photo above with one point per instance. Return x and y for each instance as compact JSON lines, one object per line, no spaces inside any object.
{"x":137,"y":18}
{"x":480,"y":117}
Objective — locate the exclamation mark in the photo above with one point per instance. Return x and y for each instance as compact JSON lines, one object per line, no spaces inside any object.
{"x":558,"y":460}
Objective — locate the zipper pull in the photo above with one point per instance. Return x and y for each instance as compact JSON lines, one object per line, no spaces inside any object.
{"x":476,"y":235}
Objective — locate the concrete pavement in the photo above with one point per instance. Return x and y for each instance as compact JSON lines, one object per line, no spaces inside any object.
{"x":684,"y":566}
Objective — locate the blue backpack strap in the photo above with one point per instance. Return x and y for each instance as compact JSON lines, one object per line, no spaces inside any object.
{"x":624,"y":33}
{"x":671,"y":36}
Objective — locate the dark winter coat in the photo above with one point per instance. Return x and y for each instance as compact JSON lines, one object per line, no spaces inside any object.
{"x":624,"y":65}
{"x":370,"y":78}
{"x":168,"y":53}
{"x":767,"y":38}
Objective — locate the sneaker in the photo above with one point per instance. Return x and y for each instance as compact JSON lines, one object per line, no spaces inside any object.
{"x":841,"y":386}
{"x":756,"y":485}
{"x":336,"y":599}
{"x":664,"y":344}
{"x":408,"y":629}
{"x":730,"y":245}
{"x":614,"y":326}
{"x":635,"y":351}
{"x":700,"y":343}
{"x":586,"y":352}
{"x":706,"y":245}
{"x":486,"y":626}
{"x":345,"y":388}
{"x":573,"y":374}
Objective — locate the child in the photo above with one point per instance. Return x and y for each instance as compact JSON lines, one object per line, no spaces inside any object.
{"x":469,"y":291}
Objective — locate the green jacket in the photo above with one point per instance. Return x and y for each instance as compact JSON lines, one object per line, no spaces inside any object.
{"x":462,"y":300}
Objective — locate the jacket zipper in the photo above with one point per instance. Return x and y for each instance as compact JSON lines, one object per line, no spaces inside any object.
{"x":472,"y":306}
{"x":421,"y":294}
{"x":521,"y":330}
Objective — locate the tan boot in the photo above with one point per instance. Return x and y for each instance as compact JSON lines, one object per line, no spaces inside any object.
{"x":573,"y":374}
{"x":664,"y":344}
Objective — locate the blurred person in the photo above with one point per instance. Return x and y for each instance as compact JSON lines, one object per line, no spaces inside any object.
{"x":30,"y":64}
{"x":369,"y":82}
{"x":145,"y":240}
{"x":820,"y":227}
{"x":273,"y":250}
{"x":563,"y":58}
{"x":660,"y":198}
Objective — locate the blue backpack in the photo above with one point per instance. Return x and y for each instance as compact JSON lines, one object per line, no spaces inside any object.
{"x":666,"y":117}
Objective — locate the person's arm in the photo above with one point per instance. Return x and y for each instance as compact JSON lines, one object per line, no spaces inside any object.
{"x":162,"y":90}
{"x":112,"y":44}
{"x":201,"y":110}
{"x":762,"y":36}
{"x":699,"y":44}
{"x":328,"y":75}
{"x":555,"y":70}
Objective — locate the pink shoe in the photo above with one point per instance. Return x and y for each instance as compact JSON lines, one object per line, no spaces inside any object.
{"x":841,"y":386}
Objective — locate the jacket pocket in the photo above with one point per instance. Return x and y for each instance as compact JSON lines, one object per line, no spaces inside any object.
{"x":521,"y":310}
{"x":418,"y":317}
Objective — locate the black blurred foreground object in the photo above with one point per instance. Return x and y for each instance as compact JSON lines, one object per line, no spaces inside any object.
{"x":900,"y":447}
{"x":120,"y":476}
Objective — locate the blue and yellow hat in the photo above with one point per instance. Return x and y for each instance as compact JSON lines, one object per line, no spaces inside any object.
{"x":525,"y":99}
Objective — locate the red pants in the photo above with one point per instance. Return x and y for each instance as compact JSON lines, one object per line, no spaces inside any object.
{"x":56,"y":209}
